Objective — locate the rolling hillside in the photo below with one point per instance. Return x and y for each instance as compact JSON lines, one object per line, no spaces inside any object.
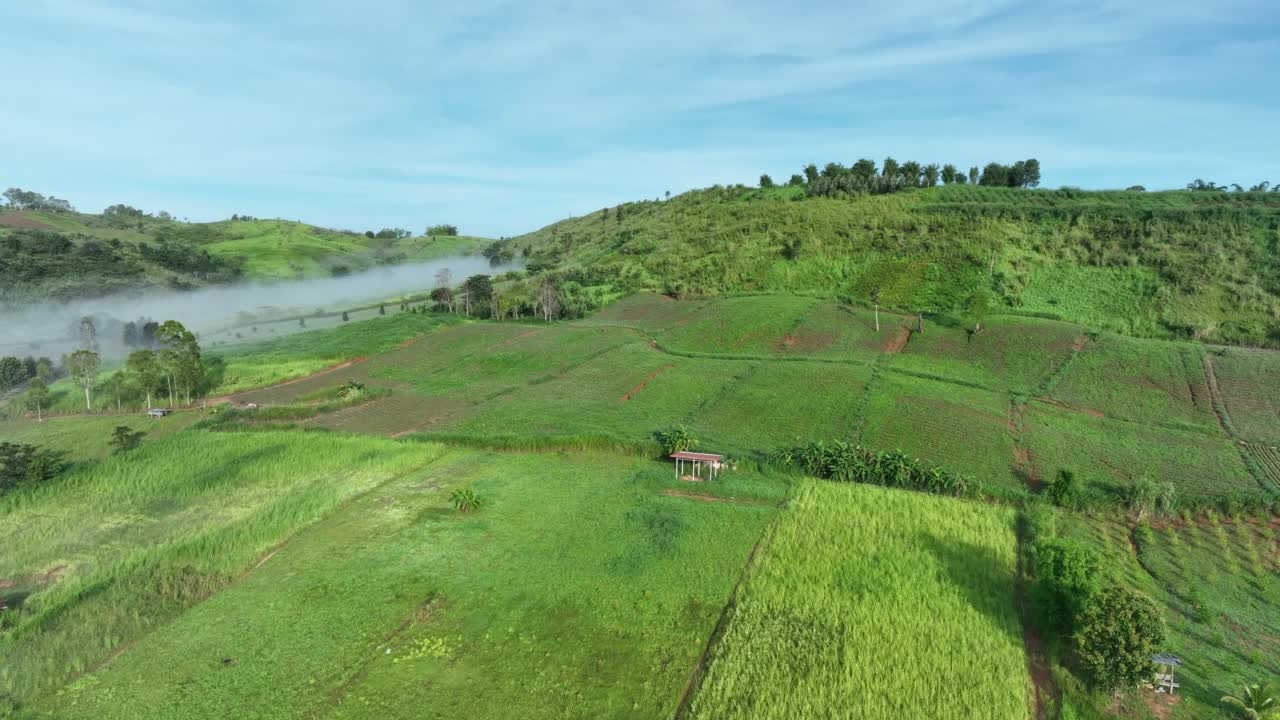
{"x":62,"y":255}
{"x":1180,"y":264}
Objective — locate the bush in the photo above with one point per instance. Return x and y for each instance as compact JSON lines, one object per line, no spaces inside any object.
{"x":465,"y":499}
{"x":1064,"y":491}
{"x":1066,"y":580}
{"x":678,"y":439}
{"x":1119,"y":632}
{"x":22,"y":464}
{"x":125,"y":438}
{"x":846,"y":462}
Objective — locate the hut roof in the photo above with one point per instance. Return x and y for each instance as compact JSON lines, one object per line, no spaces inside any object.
{"x":703,"y":457}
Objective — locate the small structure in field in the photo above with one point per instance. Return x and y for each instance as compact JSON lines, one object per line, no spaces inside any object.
{"x":158,"y":412}
{"x":1165,"y":664}
{"x":697,"y":466}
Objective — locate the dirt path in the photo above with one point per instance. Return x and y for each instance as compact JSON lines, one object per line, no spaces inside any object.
{"x":628,"y":394}
{"x":899,"y":341}
{"x":1215,"y":397}
{"x":671,"y":492}
{"x":512,"y":339}
{"x":1023,"y":459}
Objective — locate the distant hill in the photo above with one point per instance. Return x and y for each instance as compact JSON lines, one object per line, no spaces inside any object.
{"x":1202,"y":265}
{"x":62,"y":254}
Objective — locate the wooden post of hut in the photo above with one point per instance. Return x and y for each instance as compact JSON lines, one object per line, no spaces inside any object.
{"x":697,"y":464}
{"x":1165,"y":664}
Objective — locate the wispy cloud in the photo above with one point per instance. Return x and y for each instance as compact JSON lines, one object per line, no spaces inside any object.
{"x":502,"y":116}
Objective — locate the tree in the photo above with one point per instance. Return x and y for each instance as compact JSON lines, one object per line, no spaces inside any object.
{"x":345,"y":317}
{"x":875,"y":298}
{"x":12,"y":372}
{"x":889,"y":173}
{"x":930,"y":175}
{"x":125,"y":438}
{"x":1031,"y":176}
{"x":444,"y":283}
{"x":1118,"y":633}
{"x":669,"y":192}
{"x":132,"y":337}
{"x":145,"y":367}
{"x":181,"y":358}
{"x":1063,"y":491}
{"x":973,"y":175}
{"x":1258,"y":702}
{"x":382,"y":309}
{"x":548,"y":300}
{"x":677,"y":439}
{"x":449,"y":230}
{"x":617,"y":214}
{"x":795,"y":181}
{"x":810,"y":173}
{"x":479,"y":291}
{"x":994,"y":175}
{"x":948,"y":174}
{"x":1066,"y":581}
{"x":83,"y":366}
{"x":88,"y":334}
{"x":766,"y":181}
{"x":909,"y":174}
{"x":38,"y":395}
{"x":977,"y":306}
{"x":44,"y":369}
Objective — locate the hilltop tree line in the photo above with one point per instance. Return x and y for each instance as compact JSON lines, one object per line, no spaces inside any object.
{"x":1199,"y":185}
{"x":19,"y":199}
{"x":864,"y":178}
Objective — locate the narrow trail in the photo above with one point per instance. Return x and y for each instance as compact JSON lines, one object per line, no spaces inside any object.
{"x":1023,"y":457}
{"x":899,"y":342}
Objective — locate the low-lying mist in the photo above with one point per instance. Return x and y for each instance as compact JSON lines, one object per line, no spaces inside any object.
{"x":53,"y":329}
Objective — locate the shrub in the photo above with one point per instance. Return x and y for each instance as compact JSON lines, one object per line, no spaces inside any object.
{"x":1064,"y":491}
{"x":1119,"y":632}
{"x":678,"y":439}
{"x":125,"y":438}
{"x":1260,"y":701}
{"x":1066,"y":579}
{"x":1141,"y":497}
{"x":846,"y":462}
{"x":22,"y":464}
{"x":465,"y":499}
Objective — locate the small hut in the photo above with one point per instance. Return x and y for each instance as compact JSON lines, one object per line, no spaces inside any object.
{"x":1165,"y":663}
{"x":697,"y":466}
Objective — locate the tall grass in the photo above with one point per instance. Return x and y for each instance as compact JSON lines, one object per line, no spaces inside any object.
{"x":114,"y":549}
{"x":872,"y":603}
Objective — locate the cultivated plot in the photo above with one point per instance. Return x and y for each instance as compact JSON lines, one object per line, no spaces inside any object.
{"x":1118,"y":453}
{"x":1249,"y":381}
{"x":577,"y":591}
{"x":1009,"y":353}
{"x":872,"y":603}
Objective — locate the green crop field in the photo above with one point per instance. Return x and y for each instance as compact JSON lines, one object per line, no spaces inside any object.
{"x":1249,"y":381}
{"x":575,"y":587}
{"x":872,"y":603}
{"x":1219,"y":581}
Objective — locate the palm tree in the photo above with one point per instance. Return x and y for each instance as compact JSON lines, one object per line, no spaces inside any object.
{"x":1258,"y":702}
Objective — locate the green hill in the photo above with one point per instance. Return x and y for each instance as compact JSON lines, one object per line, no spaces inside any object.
{"x":1179,"y":264}
{"x":65,"y":254}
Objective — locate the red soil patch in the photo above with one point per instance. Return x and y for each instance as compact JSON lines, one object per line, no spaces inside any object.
{"x":1079,"y":343}
{"x":899,"y":341}
{"x":18,"y":221}
{"x":627,"y":396}
{"x":806,"y":341}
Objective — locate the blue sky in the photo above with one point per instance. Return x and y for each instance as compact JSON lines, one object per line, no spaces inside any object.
{"x":501,"y":117}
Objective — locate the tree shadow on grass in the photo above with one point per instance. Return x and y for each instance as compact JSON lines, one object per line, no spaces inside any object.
{"x":982,"y":577}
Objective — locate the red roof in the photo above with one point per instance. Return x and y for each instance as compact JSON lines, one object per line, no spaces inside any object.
{"x":705,"y":457}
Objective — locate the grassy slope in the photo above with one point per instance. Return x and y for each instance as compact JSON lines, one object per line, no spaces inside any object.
{"x":874,"y":603}
{"x":1148,"y":264}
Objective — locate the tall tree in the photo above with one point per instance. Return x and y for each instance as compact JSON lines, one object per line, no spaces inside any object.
{"x":444,"y":283}
{"x":973,"y":175}
{"x":145,"y":367}
{"x":766,"y":181}
{"x":88,"y":334}
{"x":948,"y":174}
{"x":38,"y":395}
{"x":1031,"y":176}
{"x":1119,"y":632}
{"x":810,"y":173}
{"x":83,"y":366}
{"x":181,"y":358}
{"x":548,"y":300}
{"x":930,"y":175}
{"x":910,"y":173}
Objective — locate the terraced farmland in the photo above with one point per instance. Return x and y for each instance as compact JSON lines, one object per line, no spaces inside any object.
{"x":1249,"y":381}
{"x":1268,"y":459}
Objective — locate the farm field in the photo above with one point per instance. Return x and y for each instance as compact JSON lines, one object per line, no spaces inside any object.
{"x":1219,"y":581}
{"x":87,"y":437}
{"x":1011,"y":353}
{"x":873,"y":603}
{"x":398,"y":606}
{"x":1249,"y":381}
{"x":1112,"y":453}
{"x":1142,"y":381}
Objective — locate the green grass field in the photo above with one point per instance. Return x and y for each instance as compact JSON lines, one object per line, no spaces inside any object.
{"x":873,"y":603}
{"x":574,"y":588}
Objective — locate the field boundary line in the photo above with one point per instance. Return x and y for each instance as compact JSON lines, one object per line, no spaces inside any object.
{"x":699,"y":670}
{"x":630,"y":393}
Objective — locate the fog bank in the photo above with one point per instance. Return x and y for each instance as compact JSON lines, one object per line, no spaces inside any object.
{"x":52,"y":329}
